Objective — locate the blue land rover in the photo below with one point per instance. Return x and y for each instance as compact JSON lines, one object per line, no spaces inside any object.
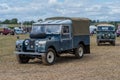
{"x":54,"y":36}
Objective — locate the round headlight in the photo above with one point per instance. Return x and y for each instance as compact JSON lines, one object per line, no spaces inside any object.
{"x":26,"y":42}
{"x":109,"y":34}
{"x":103,"y":34}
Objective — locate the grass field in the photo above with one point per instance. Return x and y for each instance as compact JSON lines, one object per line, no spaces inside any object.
{"x":102,"y":64}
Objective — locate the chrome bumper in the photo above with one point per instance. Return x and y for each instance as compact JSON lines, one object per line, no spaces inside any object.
{"x":106,"y":40}
{"x":29,"y":53}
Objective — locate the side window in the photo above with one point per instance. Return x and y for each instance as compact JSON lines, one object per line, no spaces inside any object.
{"x":65,"y":29}
{"x":65,"y":32}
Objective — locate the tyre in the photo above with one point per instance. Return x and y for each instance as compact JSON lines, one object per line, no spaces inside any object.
{"x":1,"y":33}
{"x":79,"y":52}
{"x":49,"y":57}
{"x":22,"y":59}
{"x":113,"y":43}
{"x":98,"y":43}
{"x":117,"y":35}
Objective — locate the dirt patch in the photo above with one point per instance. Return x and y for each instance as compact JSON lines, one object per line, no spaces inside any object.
{"x":102,"y":64}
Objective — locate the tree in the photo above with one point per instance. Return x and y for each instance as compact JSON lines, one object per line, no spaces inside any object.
{"x":40,"y":20}
{"x":93,"y":21}
{"x":0,"y":22}
{"x":28,"y":22}
{"x":6,"y":21}
{"x":14,"y":21}
{"x":97,"y":21}
{"x":31,"y":22}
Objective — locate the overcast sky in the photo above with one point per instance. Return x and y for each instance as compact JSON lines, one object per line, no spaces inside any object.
{"x":35,"y":9}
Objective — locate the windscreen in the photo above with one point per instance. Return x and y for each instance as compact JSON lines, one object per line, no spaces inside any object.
{"x":105,"y":28}
{"x":48,"y":29}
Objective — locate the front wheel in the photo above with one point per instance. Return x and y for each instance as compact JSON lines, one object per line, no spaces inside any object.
{"x":113,"y":43}
{"x":50,"y":57}
{"x":79,"y":52}
{"x":117,"y":35}
{"x":98,"y":43}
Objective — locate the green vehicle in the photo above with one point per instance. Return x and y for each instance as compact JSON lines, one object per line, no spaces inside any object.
{"x":106,"y":33}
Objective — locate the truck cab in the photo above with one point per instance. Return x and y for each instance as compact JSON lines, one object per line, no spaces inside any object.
{"x":5,"y":31}
{"x":54,"y":36}
{"x":106,"y":33}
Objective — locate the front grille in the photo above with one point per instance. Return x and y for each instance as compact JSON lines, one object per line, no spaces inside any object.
{"x":30,"y":47}
{"x":106,"y":36}
{"x":32,"y":44}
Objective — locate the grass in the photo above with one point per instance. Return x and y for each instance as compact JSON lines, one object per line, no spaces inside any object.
{"x":103,"y":63}
{"x":7,"y":44}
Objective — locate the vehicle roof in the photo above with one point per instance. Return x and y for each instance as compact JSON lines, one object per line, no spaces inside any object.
{"x":55,"y":22}
{"x":80,"y":25}
{"x":70,"y":18}
{"x":61,"y":20}
{"x":106,"y":25}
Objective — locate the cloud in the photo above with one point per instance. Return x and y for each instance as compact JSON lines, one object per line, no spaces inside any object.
{"x":4,"y":6}
{"x":35,"y":9}
{"x":52,"y":1}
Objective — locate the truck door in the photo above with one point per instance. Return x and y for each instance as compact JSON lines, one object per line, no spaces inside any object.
{"x":66,"y":39}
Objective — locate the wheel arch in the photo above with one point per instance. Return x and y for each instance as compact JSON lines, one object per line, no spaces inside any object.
{"x":82,"y":43}
{"x":86,"y":47}
{"x":54,"y":49}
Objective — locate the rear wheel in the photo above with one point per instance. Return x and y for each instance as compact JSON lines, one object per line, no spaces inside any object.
{"x":22,"y":58}
{"x":117,"y":35}
{"x":79,"y":52}
{"x":113,"y":43}
{"x":98,"y":43}
{"x":50,"y":57}
{"x":1,"y":33}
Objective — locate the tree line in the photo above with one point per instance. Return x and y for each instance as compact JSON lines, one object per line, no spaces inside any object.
{"x":15,"y":21}
{"x":12,"y":21}
{"x":95,"y":22}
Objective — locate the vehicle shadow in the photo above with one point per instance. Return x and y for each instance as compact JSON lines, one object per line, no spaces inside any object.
{"x":117,"y":45}
{"x":70,"y":59}
{"x":106,"y":45}
{"x":109,"y":45}
{"x":64,"y":59}
{"x":38,"y":61}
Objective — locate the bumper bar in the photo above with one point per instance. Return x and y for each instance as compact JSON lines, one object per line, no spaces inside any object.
{"x":29,"y":53}
{"x":106,"y":40}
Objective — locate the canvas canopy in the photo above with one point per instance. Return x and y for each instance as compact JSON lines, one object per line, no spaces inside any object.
{"x":106,"y":25}
{"x":80,"y":25}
